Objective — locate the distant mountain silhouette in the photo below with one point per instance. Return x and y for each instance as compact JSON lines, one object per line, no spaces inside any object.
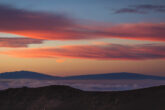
{"x":115,"y":76}
{"x":25,"y":75}
{"x":67,"y":98}
{"x":119,"y":76}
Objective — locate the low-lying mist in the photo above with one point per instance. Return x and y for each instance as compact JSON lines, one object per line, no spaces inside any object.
{"x":87,"y":85}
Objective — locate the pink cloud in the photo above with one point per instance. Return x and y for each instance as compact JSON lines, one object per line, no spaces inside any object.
{"x":97,"y":52}
{"x":42,"y":25}
{"x":18,"y":42}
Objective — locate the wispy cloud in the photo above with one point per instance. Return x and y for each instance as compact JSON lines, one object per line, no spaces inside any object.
{"x":97,"y":52}
{"x":18,"y":42}
{"x":142,"y":9}
{"x":43,"y":25}
{"x":130,"y":10}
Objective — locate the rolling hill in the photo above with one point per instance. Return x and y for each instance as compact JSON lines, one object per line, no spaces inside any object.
{"x":26,"y":75}
{"x":106,"y":76}
{"x":124,"y":75}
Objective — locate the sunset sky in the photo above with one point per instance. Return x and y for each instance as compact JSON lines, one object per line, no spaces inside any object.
{"x":73,"y":37}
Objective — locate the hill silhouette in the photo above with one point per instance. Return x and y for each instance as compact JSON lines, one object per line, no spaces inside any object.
{"x":67,"y":98}
{"x":122,"y":75}
{"x":26,"y":75}
{"x":40,"y":76}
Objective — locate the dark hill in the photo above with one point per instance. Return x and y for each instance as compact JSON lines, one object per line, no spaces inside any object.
{"x":26,"y":75}
{"x":67,"y":98}
{"x":106,"y":76}
{"x":123,"y":75}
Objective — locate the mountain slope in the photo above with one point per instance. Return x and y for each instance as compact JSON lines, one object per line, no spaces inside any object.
{"x":26,"y":75}
{"x":67,"y":98}
{"x":123,"y":75}
{"x":116,"y":76}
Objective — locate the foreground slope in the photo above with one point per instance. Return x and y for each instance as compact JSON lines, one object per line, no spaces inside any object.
{"x":67,"y":98}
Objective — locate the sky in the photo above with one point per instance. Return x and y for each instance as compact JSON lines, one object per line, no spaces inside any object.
{"x":73,"y":37}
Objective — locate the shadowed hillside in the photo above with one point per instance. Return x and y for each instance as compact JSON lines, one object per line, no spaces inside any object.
{"x":67,"y":98}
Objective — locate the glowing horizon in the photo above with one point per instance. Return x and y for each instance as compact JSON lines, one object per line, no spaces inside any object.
{"x":62,"y":41}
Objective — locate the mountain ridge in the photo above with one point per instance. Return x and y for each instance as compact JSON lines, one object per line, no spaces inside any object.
{"x":105,"y":76}
{"x":26,"y":75}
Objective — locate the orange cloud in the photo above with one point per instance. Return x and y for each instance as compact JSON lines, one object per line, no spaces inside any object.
{"x":41,"y":25}
{"x":97,"y":52}
{"x":60,"y":60}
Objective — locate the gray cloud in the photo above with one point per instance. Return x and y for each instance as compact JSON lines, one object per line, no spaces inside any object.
{"x":142,"y":9}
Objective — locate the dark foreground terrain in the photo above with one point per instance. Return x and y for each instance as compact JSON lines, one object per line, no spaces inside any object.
{"x":67,"y":98}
